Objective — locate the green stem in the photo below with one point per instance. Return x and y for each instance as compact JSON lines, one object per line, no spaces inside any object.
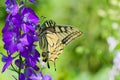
{"x":14,"y":68}
{"x":20,"y":66}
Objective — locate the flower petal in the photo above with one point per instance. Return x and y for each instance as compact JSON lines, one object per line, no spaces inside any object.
{"x":47,"y":77}
{"x":22,"y":77}
{"x":33,"y":1}
{"x":7,"y":64}
{"x":13,"y":9}
{"x":19,"y":64}
{"x":28,"y":72}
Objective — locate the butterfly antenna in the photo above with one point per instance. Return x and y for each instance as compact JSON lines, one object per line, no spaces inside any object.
{"x":42,"y":19}
{"x":55,"y":66}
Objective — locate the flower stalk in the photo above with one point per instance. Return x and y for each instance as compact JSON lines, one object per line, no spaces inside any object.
{"x":20,"y":65}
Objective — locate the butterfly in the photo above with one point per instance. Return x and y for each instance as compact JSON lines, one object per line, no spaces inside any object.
{"x":53,"y":38}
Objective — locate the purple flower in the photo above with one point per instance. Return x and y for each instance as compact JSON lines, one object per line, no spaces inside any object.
{"x":28,"y":72}
{"x":31,"y":75}
{"x":47,"y":77}
{"x":19,"y":36}
{"x":19,"y":63}
{"x":4,"y":58}
{"x":33,"y":56}
{"x":33,"y":1}
{"x":30,"y":20}
{"x":16,"y":21}
{"x":11,"y":31}
{"x":26,"y":40}
{"x":8,"y":61}
{"x":10,"y":39}
{"x":30,"y":54}
{"x":10,"y":2}
{"x":8,"y":28}
{"x":24,"y":43}
{"x":22,"y":76}
{"x":12,"y":24}
{"x":40,"y":76}
{"x":13,"y":9}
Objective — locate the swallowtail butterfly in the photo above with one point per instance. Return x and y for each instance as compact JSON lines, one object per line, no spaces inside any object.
{"x":53,"y":38}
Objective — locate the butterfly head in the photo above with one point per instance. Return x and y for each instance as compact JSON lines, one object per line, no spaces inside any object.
{"x":38,"y":29}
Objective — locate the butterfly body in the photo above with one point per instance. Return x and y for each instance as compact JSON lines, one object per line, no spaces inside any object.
{"x":53,"y":38}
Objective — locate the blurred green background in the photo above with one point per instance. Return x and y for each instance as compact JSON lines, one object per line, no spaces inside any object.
{"x":88,"y":57}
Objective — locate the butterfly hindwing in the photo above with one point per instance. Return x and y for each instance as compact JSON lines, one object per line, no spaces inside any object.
{"x":55,"y":46}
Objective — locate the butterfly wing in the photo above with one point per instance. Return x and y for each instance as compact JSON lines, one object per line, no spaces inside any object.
{"x":67,"y":33}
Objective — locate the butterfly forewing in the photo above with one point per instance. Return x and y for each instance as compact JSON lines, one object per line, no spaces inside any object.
{"x":67,"y":33}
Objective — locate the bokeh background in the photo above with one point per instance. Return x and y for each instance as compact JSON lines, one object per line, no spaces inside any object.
{"x":89,"y":57}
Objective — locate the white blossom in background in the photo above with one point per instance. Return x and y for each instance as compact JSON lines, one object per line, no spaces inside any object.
{"x":112,"y":42}
{"x":113,"y":73}
{"x":113,"y":2}
{"x":113,"y":14}
{"x":116,"y":60}
{"x":102,"y":13}
{"x":115,"y":25}
{"x":119,"y":4}
{"x":116,"y":66}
